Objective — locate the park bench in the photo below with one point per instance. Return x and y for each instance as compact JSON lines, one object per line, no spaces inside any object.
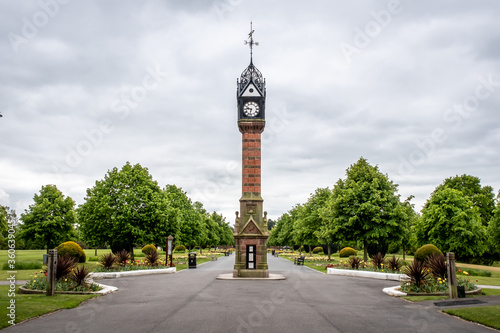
{"x":299,"y":260}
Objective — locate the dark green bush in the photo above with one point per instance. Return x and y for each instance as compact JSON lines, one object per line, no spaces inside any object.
{"x":425,"y":251}
{"x":374,"y":248}
{"x":73,"y":250}
{"x":148,"y":248}
{"x":347,"y":252}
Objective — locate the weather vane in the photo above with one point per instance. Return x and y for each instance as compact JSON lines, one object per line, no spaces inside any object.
{"x":250,"y":41}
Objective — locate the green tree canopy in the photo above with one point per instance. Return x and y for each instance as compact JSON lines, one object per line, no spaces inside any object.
{"x":192,"y":230}
{"x":127,"y":208}
{"x":50,"y":220}
{"x":482,"y":197}
{"x":308,"y":222}
{"x":452,"y":223}
{"x":493,"y":248}
{"x":365,"y":207}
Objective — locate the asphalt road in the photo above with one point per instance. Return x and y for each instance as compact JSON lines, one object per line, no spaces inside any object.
{"x":195,"y":301}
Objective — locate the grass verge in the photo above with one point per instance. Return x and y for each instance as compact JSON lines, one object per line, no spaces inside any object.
{"x":30,"y":306}
{"x":486,"y":315}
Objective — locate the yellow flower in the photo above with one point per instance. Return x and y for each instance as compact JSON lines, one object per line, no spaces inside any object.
{"x":65,"y":280}
{"x":35,"y":276}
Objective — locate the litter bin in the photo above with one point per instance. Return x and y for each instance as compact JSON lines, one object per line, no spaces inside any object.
{"x":461,"y":291}
{"x":45,"y":259}
{"x":192,"y":260}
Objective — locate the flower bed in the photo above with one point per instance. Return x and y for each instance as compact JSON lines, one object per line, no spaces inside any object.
{"x":38,"y":284}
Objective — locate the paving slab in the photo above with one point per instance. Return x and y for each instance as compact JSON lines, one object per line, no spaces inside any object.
{"x":194,"y":300}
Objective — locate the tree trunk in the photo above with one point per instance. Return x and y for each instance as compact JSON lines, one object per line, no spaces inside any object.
{"x":329,"y":252}
{"x":96,"y":251}
{"x":365,"y":255}
{"x":310,"y":254}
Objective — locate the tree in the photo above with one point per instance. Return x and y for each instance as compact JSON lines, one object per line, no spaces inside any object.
{"x":482,"y":197}
{"x":127,"y":208}
{"x":309,"y":221}
{"x":492,"y":253}
{"x":270,"y":224}
{"x":452,"y":223}
{"x":191,"y":227}
{"x":282,"y":234}
{"x":364,"y":207}
{"x":225,"y":232}
{"x":50,"y":220}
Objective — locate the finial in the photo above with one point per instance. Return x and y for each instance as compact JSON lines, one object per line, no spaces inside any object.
{"x":250,"y":41}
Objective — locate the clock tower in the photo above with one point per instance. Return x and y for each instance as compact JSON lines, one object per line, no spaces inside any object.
{"x":250,"y":230}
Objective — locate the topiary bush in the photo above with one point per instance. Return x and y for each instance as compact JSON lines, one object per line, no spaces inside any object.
{"x":318,"y":249}
{"x":425,"y":251}
{"x":347,"y":252}
{"x":73,"y":250}
{"x":180,"y":248}
{"x":148,"y":248}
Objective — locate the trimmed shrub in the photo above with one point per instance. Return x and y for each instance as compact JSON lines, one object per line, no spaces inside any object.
{"x":180,"y":248}
{"x":148,"y":248}
{"x":347,"y":252}
{"x":425,"y":251}
{"x":73,"y":250}
{"x":317,"y":249}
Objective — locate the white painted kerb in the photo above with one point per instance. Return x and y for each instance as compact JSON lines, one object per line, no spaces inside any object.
{"x":113,"y":275}
{"x":368,"y":274}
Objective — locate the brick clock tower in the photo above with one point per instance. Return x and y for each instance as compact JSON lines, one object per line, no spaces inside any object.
{"x":250,"y":230}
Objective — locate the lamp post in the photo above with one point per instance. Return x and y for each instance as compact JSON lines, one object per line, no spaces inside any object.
{"x":169,"y":249}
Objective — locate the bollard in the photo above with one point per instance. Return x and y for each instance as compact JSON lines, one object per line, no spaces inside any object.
{"x":51,"y":272}
{"x":452,"y":275}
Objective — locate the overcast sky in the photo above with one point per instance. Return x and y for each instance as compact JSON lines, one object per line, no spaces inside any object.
{"x":85,"y":86}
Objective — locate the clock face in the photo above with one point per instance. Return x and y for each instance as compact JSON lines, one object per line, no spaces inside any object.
{"x":251,"y":109}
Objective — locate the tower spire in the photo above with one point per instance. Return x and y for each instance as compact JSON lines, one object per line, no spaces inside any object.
{"x":250,"y":42}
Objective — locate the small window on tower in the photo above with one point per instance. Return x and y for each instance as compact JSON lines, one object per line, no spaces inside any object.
{"x":251,"y":90}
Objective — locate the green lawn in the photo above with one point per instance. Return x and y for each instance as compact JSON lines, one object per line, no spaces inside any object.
{"x":29,"y":306}
{"x":486,"y":315}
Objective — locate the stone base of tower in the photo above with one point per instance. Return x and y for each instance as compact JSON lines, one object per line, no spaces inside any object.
{"x":241,"y":265}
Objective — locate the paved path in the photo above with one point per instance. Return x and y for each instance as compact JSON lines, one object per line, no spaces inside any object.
{"x":195,"y":301}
